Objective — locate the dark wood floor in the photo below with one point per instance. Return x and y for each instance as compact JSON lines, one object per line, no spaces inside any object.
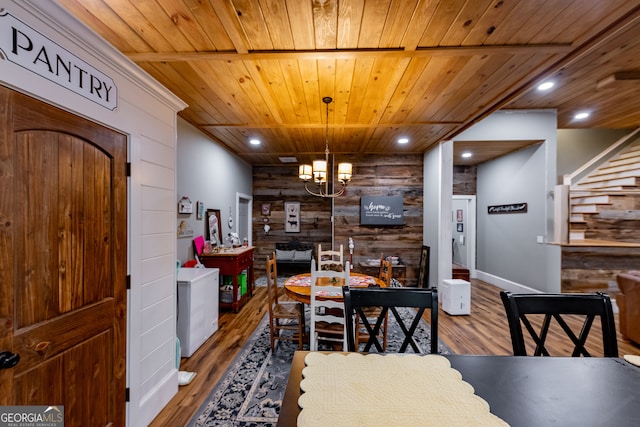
{"x":484,"y":331}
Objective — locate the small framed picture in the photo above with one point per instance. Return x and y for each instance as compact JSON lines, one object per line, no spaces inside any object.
{"x":292,"y":217}
{"x":459,"y":227}
{"x":200,"y":210}
{"x":266,"y":209}
{"x":185,"y":206}
{"x":459,"y":215}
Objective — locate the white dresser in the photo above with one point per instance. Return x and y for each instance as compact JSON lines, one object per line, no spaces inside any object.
{"x":197,"y":307}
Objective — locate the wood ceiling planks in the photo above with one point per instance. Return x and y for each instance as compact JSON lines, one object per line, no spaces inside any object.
{"x":417,"y":68}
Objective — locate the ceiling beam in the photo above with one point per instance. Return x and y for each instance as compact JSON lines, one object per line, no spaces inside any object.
{"x":526,"y":49}
{"x":330,"y":125}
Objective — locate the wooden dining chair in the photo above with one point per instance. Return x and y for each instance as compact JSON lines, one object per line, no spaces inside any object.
{"x":284,"y":316}
{"x":534,"y":309}
{"x":330,"y":259}
{"x":327,"y":322}
{"x":356,"y":300}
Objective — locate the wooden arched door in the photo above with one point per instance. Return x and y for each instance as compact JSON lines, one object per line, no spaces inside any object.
{"x":63,"y":256}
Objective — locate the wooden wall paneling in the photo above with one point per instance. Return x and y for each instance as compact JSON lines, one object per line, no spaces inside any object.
{"x":590,"y":269}
{"x":398,"y":175}
{"x":465,"y":180}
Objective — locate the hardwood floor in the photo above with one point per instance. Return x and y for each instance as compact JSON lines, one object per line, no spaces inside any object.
{"x":484,"y":331}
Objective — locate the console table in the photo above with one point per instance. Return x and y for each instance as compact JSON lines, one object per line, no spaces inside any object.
{"x":232,"y":262}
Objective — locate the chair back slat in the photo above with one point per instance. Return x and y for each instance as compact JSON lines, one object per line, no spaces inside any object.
{"x":386,"y":271}
{"x":330,"y":259}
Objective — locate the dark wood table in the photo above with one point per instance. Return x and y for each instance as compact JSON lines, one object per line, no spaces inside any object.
{"x":532,"y":391}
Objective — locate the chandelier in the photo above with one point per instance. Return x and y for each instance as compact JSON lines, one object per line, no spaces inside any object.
{"x":321,"y":171}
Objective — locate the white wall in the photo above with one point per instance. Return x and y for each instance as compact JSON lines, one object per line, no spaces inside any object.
{"x":438,"y":193}
{"x":508,"y":253}
{"x":211,"y":174}
{"x":146,"y":112}
{"x":577,"y":146}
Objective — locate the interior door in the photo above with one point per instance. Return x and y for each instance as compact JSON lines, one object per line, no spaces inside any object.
{"x":463,"y":232}
{"x":63,"y":256}
{"x":459,"y":231}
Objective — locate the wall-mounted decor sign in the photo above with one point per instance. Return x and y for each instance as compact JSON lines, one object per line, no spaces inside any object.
{"x":381,"y":210}
{"x":185,"y":206}
{"x":507,"y":209}
{"x":292,"y":217}
{"x":26,"y":47}
{"x":200,"y":210}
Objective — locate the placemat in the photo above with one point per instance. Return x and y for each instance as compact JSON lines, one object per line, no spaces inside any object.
{"x":388,"y":390}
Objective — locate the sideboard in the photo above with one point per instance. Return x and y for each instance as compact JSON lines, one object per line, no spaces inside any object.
{"x":232,"y":262}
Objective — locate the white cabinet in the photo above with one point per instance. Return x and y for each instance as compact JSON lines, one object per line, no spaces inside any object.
{"x":456,"y":296}
{"x":197,"y":307}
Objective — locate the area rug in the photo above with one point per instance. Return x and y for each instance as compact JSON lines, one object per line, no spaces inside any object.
{"x":250,"y":392}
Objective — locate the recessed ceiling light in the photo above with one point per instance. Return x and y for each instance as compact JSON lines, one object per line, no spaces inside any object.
{"x":545,"y":86}
{"x":254,"y":141}
{"x":466,"y":154}
{"x":581,"y":116}
{"x":403,"y":140}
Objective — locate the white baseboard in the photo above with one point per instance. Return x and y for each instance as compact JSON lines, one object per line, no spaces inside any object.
{"x":514,"y":287}
{"x":155,"y":400}
{"x":504,"y":284}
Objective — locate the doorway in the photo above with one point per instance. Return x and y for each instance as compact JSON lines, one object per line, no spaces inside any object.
{"x":463,"y":232}
{"x":244,"y":204}
{"x":64,"y":262}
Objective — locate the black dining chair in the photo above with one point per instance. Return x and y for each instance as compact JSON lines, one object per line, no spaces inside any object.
{"x":358,"y":300}
{"x":522,"y":308}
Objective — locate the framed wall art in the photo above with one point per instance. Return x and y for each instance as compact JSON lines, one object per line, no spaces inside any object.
{"x":292,"y":217}
{"x":185,"y":206}
{"x":200,"y":210}
{"x":381,"y":210}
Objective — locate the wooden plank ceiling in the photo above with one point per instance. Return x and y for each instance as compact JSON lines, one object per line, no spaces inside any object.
{"x":420,"y":69}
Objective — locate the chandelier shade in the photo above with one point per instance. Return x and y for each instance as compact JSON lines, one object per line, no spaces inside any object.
{"x":322,"y":170}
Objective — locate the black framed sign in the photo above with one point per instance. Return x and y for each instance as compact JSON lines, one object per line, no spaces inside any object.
{"x":507,"y":209}
{"x":381,"y":210}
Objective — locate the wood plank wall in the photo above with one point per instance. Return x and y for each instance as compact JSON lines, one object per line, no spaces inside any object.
{"x":465,"y":180}
{"x":398,"y":175}
{"x":590,"y":269}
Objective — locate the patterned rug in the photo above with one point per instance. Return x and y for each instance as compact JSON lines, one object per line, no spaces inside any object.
{"x":251,"y":391}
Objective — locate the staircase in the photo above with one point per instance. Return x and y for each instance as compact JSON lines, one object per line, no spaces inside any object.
{"x":605,"y":205}
{"x":600,"y":231}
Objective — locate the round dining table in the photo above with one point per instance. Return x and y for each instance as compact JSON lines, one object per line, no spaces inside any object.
{"x":298,"y":287}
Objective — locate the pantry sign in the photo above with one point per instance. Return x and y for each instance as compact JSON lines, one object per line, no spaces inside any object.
{"x":26,"y":47}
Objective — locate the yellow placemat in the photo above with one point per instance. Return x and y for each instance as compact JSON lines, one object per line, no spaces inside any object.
{"x":632,"y":358}
{"x":388,"y":390}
